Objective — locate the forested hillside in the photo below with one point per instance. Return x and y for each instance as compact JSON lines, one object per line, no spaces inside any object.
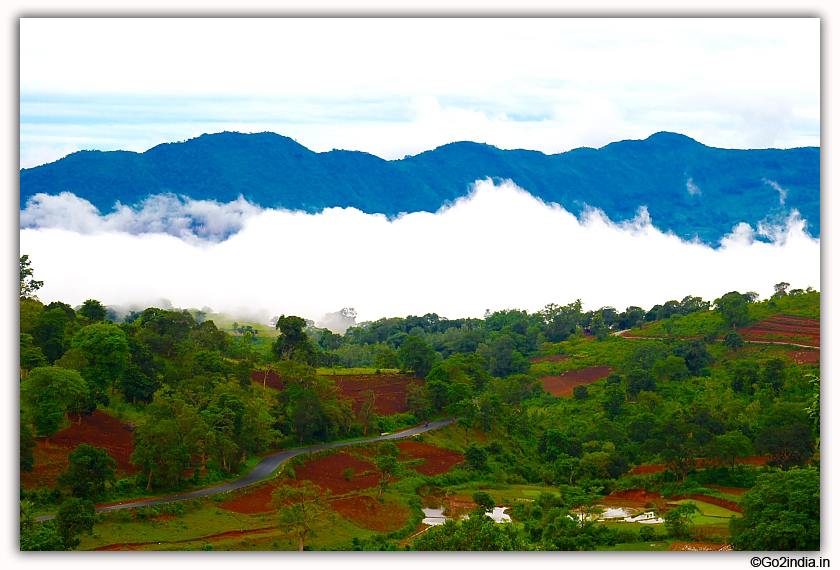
{"x":688,"y":188}
{"x":702,"y":413}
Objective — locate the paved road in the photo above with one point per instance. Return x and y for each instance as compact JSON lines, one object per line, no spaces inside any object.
{"x":263,"y":470}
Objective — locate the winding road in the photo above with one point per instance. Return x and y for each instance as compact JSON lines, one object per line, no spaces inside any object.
{"x":264,"y":469}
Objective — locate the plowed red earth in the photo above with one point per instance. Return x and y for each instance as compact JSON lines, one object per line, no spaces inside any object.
{"x":780,"y":328}
{"x":389,"y":390}
{"x":98,"y":429}
{"x":256,"y":501}
{"x":805,"y":356}
{"x":552,"y":358}
{"x":564,"y":385}
{"x":701,"y":464}
{"x":327,"y":473}
{"x":370,"y":513}
{"x":437,"y":460}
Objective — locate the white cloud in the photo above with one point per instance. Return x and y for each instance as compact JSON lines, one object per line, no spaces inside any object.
{"x":195,"y":221}
{"x":497,"y":248}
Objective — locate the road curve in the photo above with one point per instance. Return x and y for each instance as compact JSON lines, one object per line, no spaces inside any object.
{"x":263,"y":469}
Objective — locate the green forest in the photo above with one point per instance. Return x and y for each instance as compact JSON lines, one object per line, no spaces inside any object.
{"x":702,"y":415}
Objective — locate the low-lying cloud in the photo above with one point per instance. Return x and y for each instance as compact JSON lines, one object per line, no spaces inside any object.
{"x":191,"y":220}
{"x":497,"y":248}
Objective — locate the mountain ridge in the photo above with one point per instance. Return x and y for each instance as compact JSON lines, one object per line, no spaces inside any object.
{"x":688,"y":188}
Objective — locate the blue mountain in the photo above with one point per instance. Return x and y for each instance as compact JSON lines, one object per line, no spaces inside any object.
{"x":688,"y":188}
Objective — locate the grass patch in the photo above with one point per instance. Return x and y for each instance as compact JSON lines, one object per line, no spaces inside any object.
{"x":711,"y":514}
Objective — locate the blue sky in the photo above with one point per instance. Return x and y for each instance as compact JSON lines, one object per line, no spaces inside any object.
{"x":396,"y":87}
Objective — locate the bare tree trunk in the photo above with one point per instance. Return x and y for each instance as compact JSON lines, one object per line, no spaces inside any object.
{"x":149,"y":484}
{"x":301,"y":542}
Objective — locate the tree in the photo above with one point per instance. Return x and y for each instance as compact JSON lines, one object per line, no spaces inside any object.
{"x":733,"y":308}
{"x":106,"y":349}
{"x":484,"y":501}
{"x":678,"y":520}
{"x":730,"y":446}
{"x":476,"y":457}
{"x":580,"y":392}
{"x":75,"y":517}
{"x":27,"y":445}
{"x":386,"y":464}
{"x":28,"y":285}
{"x":733,"y":340}
{"x":293,"y":343}
{"x":638,"y":380}
{"x":773,"y":374}
{"x":416,"y":356}
{"x":48,"y":393}
{"x":780,"y":290}
{"x":614,"y":398}
{"x":781,"y":512}
{"x":93,"y":310}
{"x":35,"y":536}
{"x":788,"y":443}
{"x":301,"y":509}
{"x":89,"y":469}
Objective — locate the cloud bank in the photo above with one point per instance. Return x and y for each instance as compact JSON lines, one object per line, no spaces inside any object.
{"x":498,"y":247}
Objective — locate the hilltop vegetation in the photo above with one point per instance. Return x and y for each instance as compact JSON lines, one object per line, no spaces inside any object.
{"x":688,"y":188}
{"x":690,"y":418}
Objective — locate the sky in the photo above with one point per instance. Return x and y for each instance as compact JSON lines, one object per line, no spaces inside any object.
{"x":393,"y":87}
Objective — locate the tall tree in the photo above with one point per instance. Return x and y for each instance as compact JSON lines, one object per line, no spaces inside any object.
{"x":89,"y":470}
{"x":302,"y":509}
{"x":293,"y":343}
{"x":28,"y":285}
{"x":48,"y":393}
{"x":781,"y":512}
{"x":93,"y":311}
{"x":416,"y":356}
{"x":733,"y":308}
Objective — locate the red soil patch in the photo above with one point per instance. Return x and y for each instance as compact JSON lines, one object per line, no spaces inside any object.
{"x":98,"y":429}
{"x":725,"y":503}
{"x":268,"y":378}
{"x":389,"y":390}
{"x":50,"y":462}
{"x":805,"y":356}
{"x":257,"y":500}
{"x":780,"y":328}
{"x":552,"y":358}
{"x":564,"y":385}
{"x":326,"y":472}
{"x":633,"y":495}
{"x":699,"y":463}
{"x":370,"y":513}
{"x":437,"y":460}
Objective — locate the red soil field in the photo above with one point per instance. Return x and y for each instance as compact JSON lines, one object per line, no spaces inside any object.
{"x":389,"y":390}
{"x":257,"y":500}
{"x":370,"y":513}
{"x":326,"y":472}
{"x":564,"y":384}
{"x":552,"y":358}
{"x":701,"y":464}
{"x":437,"y":460}
{"x":98,"y":429}
{"x":781,"y":328}
{"x":805,"y":356}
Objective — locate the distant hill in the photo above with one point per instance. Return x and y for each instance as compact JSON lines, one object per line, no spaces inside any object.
{"x":688,"y":188}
